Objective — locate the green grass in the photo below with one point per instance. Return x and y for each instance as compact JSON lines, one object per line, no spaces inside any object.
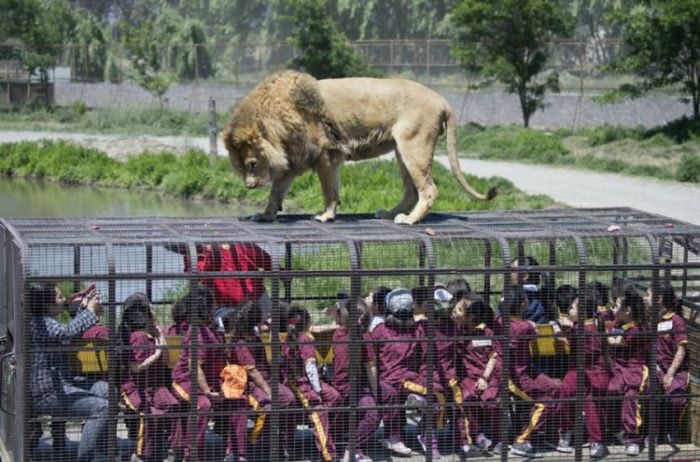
{"x":670,"y":152}
{"x":366,"y":186}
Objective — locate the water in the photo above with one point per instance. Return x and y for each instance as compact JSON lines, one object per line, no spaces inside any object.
{"x":22,"y":199}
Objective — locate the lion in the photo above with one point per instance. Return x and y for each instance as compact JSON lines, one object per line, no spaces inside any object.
{"x":291,"y":122}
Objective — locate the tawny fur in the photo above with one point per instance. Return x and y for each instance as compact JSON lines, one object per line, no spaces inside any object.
{"x":291,"y":122}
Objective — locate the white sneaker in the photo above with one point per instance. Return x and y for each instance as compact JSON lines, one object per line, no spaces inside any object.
{"x":632,"y":450}
{"x":415,"y":400}
{"x":397,"y":447}
{"x":359,"y":457}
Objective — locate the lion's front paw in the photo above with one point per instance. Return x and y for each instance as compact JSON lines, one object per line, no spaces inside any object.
{"x":324,"y":217}
{"x":403,"y":219}
{"x":383,"y":214}
{"x":261,"y":218}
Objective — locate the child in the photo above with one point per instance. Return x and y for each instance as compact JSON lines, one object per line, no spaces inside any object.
{"x":396,"y":349}
{"x":376,"y":306}
{"x":443,"y":353}
{"x":671,"y":358}
{"x":525,"y":382}
{"x":249,"y":352}
{"x":180,"y":323}
{"x":481,"y":364}
{"x":595,"y":369}
{"x":368,"y":418}
{"x":300,"y":374}
{"x":146,"y":377}
{"x":629,"y":351}
{"x":207,"y":365}
{"x":536,"y":311}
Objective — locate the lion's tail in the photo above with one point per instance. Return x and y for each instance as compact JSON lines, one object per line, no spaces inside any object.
{"x":454,"y":159}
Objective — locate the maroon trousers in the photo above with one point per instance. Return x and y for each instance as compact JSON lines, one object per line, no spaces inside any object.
{"x":481,"y":412}
{"x":629,"y":382}
{"x":540,"y":389}
{"x":261,"y":402}
{"x":368,"y":420}
{"x":591,"y":409}
{"x":154,"y":426}
{"x":316,"y":407}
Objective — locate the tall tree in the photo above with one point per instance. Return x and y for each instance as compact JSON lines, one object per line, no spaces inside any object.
{"x":325,"y":50}
{"x":42,"y":28}
{"x":509,"y":41}
{"x":662,"y":39}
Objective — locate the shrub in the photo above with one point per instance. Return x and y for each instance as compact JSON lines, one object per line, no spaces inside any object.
{"x":689,"y":168}
{"x":512,"y":143}
{"x":608,"y":133}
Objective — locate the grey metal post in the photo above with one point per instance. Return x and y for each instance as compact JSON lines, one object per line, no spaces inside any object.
{"x":213,"y":154}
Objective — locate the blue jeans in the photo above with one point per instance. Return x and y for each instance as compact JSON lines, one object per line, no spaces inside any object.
{"x":92,"y":405}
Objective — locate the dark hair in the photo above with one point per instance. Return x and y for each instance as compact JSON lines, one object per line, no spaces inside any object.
{"x":246,"y":318}
{"x":588,"y":304}
{"x":564,"y":296}
{"x":667,"y":297}
{"x":631,"y":298}
{"x":179,"y":313}
{"x":422,"y":294}
{"x":198,"y":303}
{"x":479,"y":310}
{"x":40,"y":295}
{"x":379,"y":298}
{"x":458,"y":285}
{"x":514,"y":301}
{"x":599,"y":291}
{"x":533,"y":277}
{"x":298,"y":320}
{"x":137,"y":311}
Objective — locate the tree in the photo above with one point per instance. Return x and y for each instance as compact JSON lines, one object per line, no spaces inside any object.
{"x":42,"y":28}
{"x":509,"y":41}
{"x":147,"y":58}
{"x":662,"y":39}
{"x":325,"y":50}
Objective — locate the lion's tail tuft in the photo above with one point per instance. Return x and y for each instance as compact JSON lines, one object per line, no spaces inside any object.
{"x":454,"y":159}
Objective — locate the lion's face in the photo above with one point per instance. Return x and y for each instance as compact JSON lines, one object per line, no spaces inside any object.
{"x":253,"y":157}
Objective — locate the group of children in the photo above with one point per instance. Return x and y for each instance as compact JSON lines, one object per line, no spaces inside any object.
{"x":463,"y":348}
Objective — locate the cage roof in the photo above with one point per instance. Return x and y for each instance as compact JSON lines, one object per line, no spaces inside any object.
{"x":542,"y":224}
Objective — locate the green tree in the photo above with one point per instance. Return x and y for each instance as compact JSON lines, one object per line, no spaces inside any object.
{"x":325,"y":50}
{"x":89,"y":47}
{"x":509,"y":41}
{"x":662,"y":39}
{"x":145,"y":53}
{"x":42,"y":28}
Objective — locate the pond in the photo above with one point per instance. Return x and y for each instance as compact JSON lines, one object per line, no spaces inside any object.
{"x":22,"y":198}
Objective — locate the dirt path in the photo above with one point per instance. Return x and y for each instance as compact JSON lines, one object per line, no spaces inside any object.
{"x":577,"y":188}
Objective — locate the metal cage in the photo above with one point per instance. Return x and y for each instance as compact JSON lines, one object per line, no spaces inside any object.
{"x":300,"y":266}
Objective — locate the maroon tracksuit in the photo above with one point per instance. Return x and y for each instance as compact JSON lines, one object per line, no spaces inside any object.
{"x":475,"y":353}
{"x":672,"y":334}
{"x":369,"y":415}
{"x":597,"y":378}
{"x":630,"y":377}
{"x":251,"y":355}
{"x":212,"y":357}
{"x":295,"y":355}
{"x":148,"y":394}
{"x":396,"y":351}
{"x":526,"y":383}
{"x":443,"y":353}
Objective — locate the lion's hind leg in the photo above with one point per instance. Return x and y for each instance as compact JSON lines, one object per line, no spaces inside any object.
{"x":410,"y":194}
{"x":417,"y":157}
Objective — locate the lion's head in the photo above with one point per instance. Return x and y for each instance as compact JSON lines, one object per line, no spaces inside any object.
{"x":252,"y":156}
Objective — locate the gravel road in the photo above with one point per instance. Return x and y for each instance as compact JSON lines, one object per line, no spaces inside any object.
{"x":576,"y":188}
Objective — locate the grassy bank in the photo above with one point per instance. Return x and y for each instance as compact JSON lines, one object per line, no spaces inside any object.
{"x":129,"y":120}
{"x":670,"y":152}
{"x":366,"y":186}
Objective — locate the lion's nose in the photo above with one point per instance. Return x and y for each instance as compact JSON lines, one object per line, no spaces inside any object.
{"x":250,"y":184}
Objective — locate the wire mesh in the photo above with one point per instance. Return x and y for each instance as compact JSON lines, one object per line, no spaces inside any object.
{"x":481,"y":335}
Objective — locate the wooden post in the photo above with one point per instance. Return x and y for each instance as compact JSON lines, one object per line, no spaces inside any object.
{"x":213,"y":154}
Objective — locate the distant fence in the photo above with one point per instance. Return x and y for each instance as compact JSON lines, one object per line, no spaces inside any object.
{"x":226,"y":72}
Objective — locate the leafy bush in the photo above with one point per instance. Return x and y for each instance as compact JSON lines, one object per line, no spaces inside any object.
{"x":607,"y":134}
{"x":689,"y":168}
